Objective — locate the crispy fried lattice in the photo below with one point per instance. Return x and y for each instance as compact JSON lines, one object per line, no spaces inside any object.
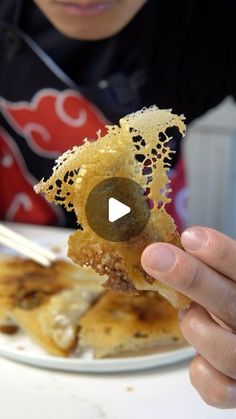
{"x":138,"y":149}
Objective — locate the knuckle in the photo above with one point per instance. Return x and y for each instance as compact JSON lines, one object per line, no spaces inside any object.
{"x":229,"y":309}
{"x":221,"y":255}
{"x":229,"y":360}
{"x":194,"y":278}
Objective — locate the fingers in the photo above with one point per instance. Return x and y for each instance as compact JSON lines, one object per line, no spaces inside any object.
{"x":215,"y":344}
{"x":213,"y":248}
{"x":215,"y":388}
{"x":192,"y":277}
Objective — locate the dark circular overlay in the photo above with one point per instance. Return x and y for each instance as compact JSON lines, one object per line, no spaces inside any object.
{"x":127,"y":192}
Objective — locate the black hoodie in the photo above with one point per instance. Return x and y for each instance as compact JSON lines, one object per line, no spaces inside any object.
{"x":55,"y":91}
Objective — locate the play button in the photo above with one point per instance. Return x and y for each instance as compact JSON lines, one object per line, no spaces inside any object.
{"x":117,"y":209}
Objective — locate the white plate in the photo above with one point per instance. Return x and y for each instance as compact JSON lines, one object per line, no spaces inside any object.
{"x":20,"y":348}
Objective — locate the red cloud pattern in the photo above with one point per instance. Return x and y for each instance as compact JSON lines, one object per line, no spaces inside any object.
{"x":18,"y":199}
{"x":54,"y":121}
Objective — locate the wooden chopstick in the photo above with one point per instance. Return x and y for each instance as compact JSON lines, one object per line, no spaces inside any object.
{"x":25,"y":246}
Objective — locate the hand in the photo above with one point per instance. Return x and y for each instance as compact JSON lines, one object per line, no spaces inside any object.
{"x":206,"y":272}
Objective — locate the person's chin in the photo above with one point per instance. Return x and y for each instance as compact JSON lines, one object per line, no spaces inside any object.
{"x":85,"y":34}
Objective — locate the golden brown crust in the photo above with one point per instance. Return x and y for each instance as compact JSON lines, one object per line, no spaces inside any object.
{"x":46,"y":302}
{"x":118,"y":324}
{"x":135,"y":322}
{"x":25,"y":284}
{"x":54,"y":324}
{"x":30,"y":323}
{"x":145,"y":134}
{"x":121,"y":262}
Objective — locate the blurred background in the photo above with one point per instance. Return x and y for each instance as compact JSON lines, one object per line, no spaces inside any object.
{"x":210,"y":152}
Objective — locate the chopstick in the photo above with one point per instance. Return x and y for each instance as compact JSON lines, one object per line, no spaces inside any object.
{"x":25,"y":246}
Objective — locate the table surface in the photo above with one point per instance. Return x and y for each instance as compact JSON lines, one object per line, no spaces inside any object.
{"x":160,"y":393}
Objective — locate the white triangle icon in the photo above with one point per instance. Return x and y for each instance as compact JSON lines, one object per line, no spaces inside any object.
{"x":116,"y":209}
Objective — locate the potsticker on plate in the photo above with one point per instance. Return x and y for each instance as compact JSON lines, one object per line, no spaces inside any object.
{"x":118,"y":325}
{"x":65,"y":310}
{"x":46,"y":302}
{"x":139,"y":150}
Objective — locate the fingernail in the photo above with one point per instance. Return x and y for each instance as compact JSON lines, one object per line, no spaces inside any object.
{"x":194,"y":239}
{"x":160,"y":258}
